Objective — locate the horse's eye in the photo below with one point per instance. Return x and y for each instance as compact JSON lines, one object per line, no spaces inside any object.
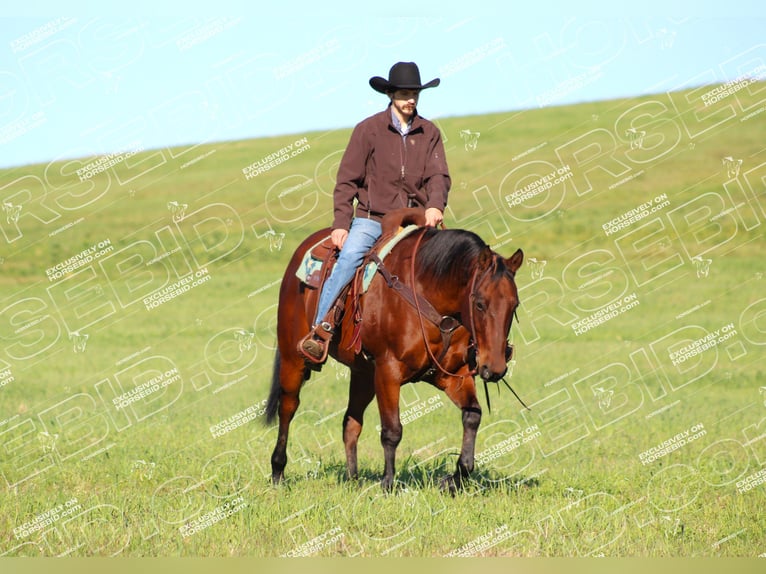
{"x":480,"y":306}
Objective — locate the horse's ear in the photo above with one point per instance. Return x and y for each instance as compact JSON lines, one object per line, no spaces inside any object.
{"x":515,"y":260}
{"x":485,"y":258}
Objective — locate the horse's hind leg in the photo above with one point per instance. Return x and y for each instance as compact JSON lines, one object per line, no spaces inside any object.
{"x":289,"y":376}
{"x":361,"y":392}
{"x":462,"y":391}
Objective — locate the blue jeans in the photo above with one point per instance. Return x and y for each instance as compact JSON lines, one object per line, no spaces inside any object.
{"x":362,"y":235}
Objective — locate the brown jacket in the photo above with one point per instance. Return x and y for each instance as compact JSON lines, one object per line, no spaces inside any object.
{"x":384,"y":172}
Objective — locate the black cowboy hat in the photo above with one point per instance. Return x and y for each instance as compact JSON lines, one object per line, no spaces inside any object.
{"x":402,"y":75}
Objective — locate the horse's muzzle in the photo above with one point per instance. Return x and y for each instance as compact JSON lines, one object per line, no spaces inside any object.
{"x":490,"y":375}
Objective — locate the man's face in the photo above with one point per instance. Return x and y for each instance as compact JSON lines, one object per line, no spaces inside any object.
{"x":405,"y":101}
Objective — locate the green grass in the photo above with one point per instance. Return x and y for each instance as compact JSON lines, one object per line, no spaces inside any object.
{"x":134,"y":481}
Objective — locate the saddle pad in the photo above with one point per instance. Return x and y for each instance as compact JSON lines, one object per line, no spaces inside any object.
{"x":372,"y":267}
{"x":309,"y":263}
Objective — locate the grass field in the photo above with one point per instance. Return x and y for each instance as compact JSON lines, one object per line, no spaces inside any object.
{"x":137,"y":330}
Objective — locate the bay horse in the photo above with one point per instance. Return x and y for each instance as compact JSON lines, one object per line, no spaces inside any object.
{"x":459,"y":280}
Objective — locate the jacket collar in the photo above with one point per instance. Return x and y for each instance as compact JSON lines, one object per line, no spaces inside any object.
{"x":417,"y":121}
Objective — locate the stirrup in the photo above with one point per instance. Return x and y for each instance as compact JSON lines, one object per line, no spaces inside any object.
{"x":315,"y":345}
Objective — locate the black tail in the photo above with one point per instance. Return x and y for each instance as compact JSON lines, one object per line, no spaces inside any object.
{"x":272,"y":404}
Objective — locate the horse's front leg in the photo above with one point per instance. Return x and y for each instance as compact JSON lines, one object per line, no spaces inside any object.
{"x":387,"y":394}
{"x":361,"y":393}
{"x":462,"y":391}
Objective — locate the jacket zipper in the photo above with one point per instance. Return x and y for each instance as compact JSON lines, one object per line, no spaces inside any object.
{"x":403,"y":161}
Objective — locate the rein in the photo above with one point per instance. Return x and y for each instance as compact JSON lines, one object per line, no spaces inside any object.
{"x":434,"y":360}
{"x":447,"y":324}
{"x":472,"y":297}
{"x":472,"y":330}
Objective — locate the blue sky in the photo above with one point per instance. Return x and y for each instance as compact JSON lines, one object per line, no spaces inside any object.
{"x":94,"y":82}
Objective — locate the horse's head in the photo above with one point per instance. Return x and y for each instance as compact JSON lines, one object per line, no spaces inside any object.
{"x":492,"y":301}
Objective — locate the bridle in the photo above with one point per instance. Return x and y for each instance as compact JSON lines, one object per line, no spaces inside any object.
{"x":476,"y":280}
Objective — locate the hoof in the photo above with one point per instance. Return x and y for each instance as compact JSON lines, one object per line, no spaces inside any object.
{"x":451,"y":484}
{"x":387,"y":484}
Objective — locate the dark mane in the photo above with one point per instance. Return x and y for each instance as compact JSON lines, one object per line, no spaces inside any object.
{"x":449,"y":253}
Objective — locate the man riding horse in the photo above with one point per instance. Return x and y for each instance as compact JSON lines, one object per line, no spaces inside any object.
{"x":394,"y":159}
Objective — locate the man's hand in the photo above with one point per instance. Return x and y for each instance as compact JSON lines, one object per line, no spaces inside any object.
{"x":433,"y":217}
{"x":338,"y":237}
